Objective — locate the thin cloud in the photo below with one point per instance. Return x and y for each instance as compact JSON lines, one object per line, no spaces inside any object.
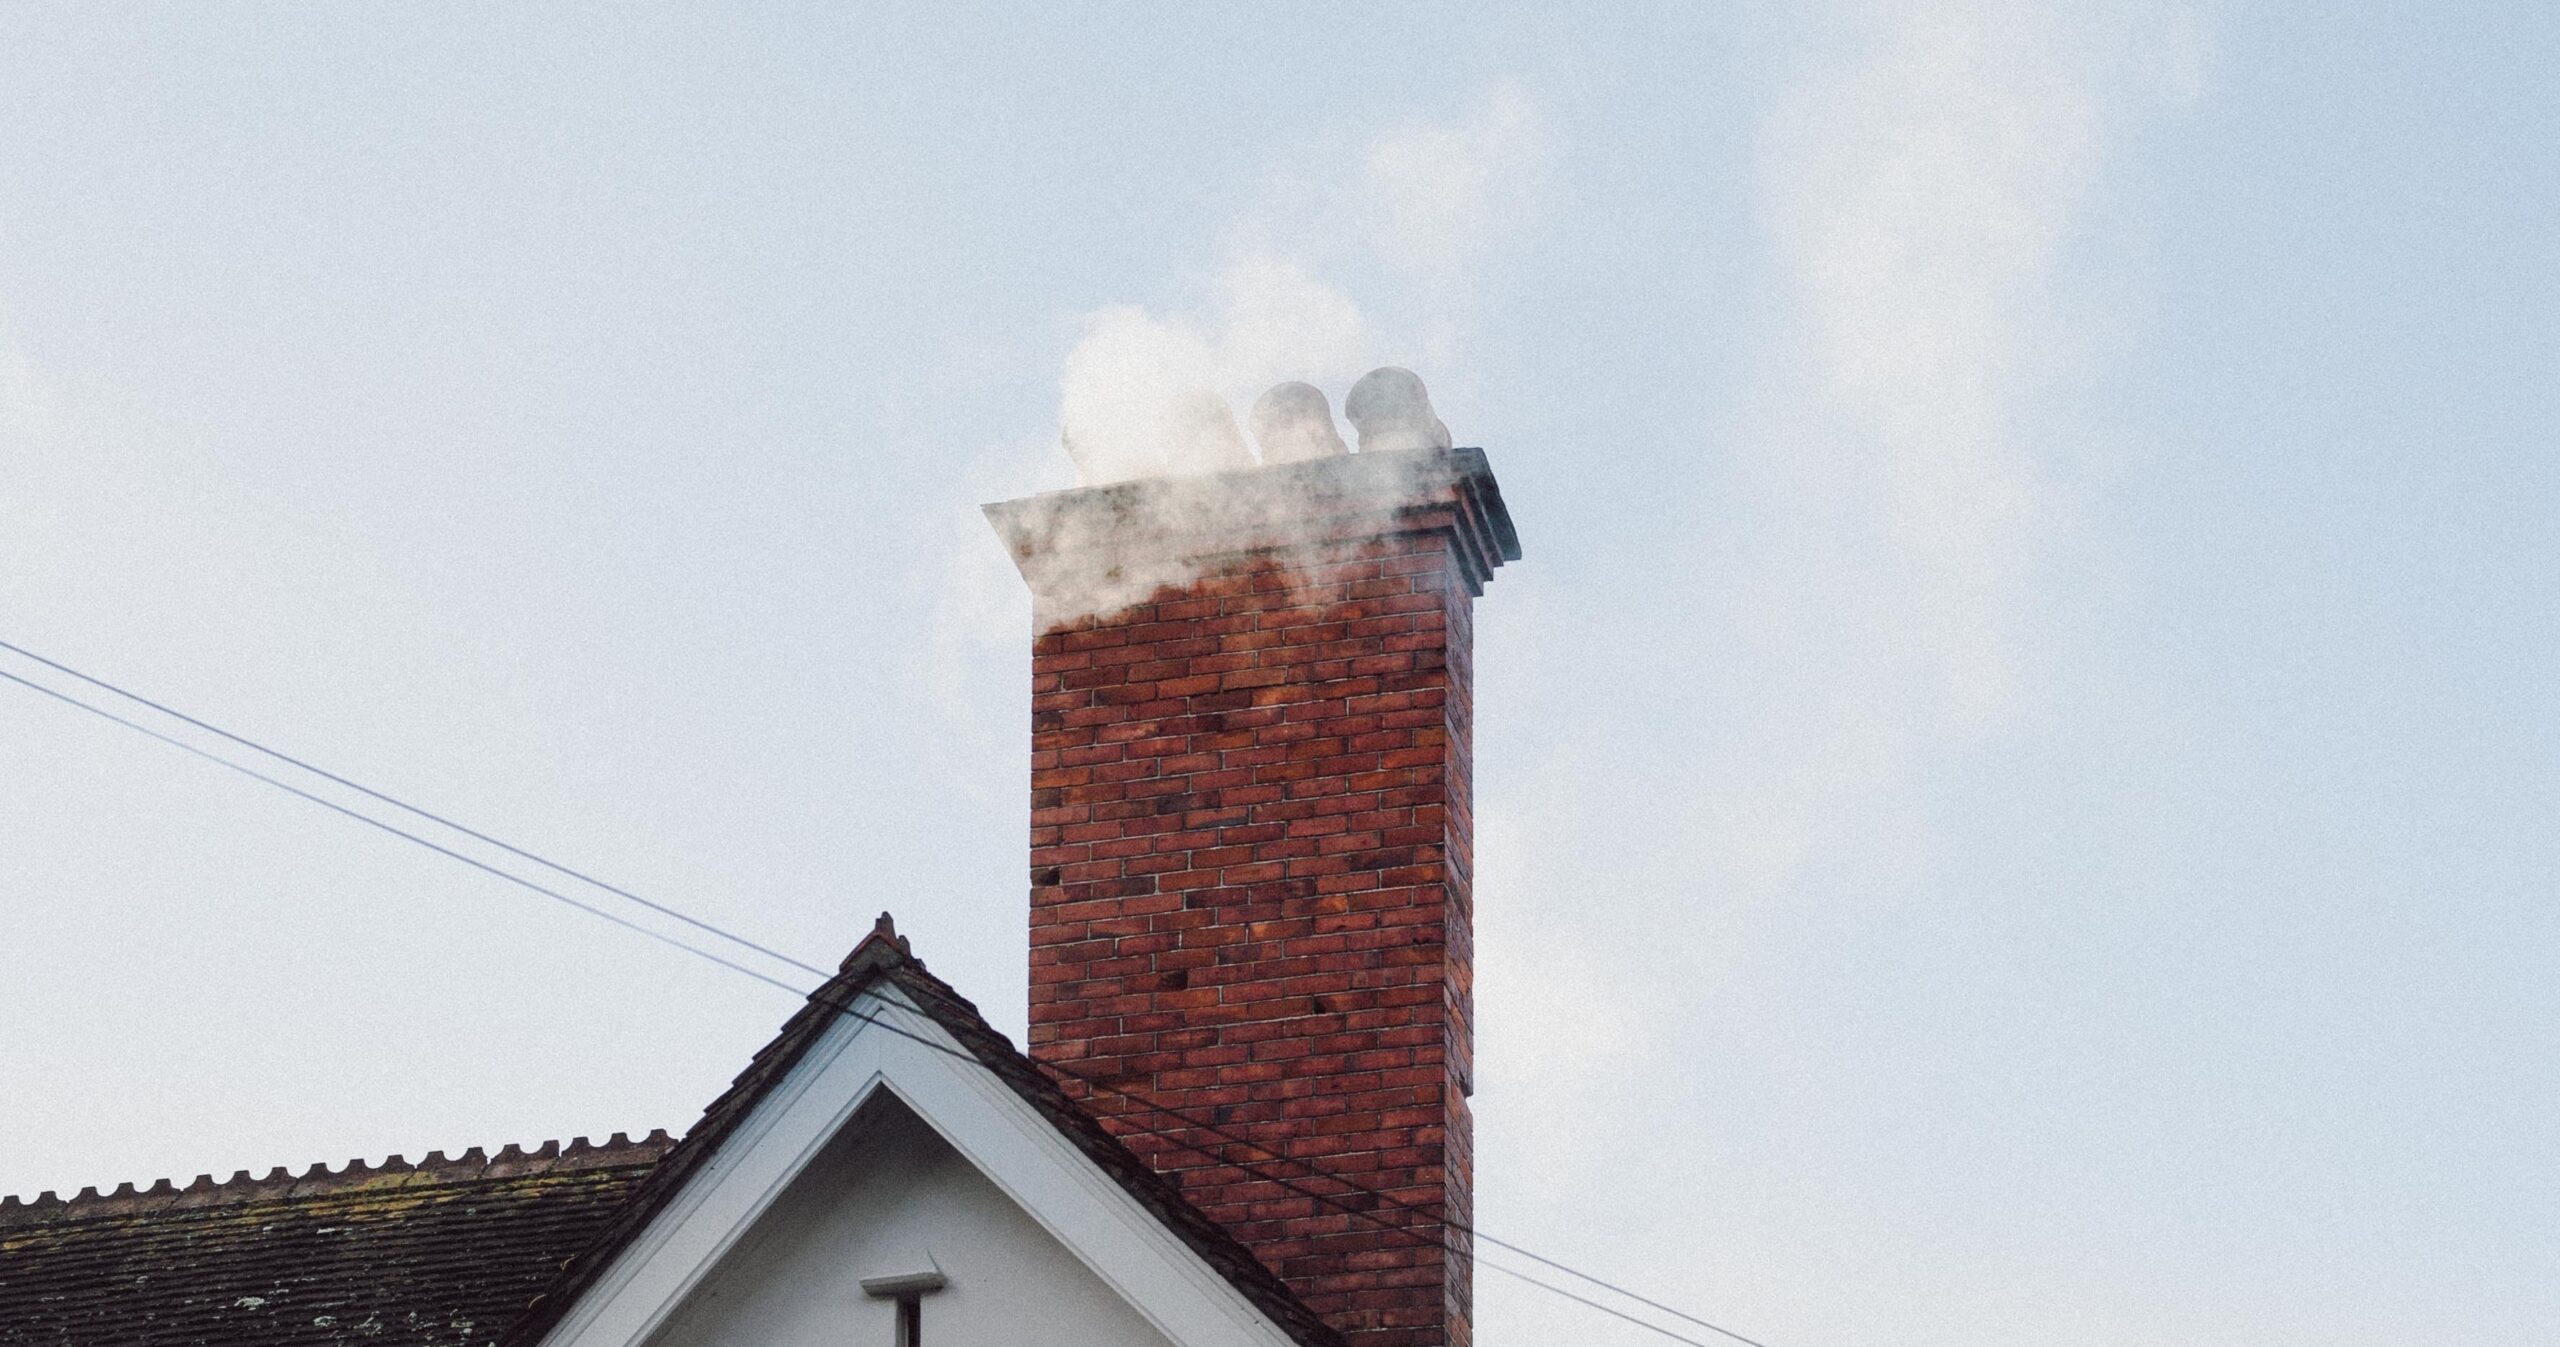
{"x":1920,"y":197}
{"x":1878,"y":590}
{"x":1440,"y":197}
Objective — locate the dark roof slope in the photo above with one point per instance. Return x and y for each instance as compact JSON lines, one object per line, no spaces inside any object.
{"x":884,"y":956}
{"x":443,"y":1253}
{"x":479,"y":1250}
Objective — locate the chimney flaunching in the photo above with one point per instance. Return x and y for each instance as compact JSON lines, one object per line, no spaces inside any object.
{"x":1250,"y":849}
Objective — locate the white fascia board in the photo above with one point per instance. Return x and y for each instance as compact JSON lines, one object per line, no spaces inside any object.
{"x":1080,"y":1206}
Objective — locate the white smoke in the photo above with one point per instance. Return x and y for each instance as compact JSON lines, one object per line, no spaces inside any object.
{"x":1098,"y":552}
{"x":1426,"y":208}
{"x":1881,"y":556}
{"x":1273,"y":304}
{"x":1918,"y":198}
{"x":1879,"y":568}
{"x":1128,"y":394}
{"x":1896,"y":486}
{"x":1909,"y":452}
{"x":1152,"y":393}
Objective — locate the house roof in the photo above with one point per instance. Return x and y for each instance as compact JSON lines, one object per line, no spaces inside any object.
{"x":441,"y":1253}
{"x":485,"y":1249}
{"x":884,"y":956}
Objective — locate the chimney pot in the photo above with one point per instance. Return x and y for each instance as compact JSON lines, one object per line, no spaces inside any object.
{"x":1293,"y":423}
{"x":1391,"y":410}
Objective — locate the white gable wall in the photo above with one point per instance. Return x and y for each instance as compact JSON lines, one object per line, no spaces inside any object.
{"x":1057,"y":1226}
{"x":880,"y":1195}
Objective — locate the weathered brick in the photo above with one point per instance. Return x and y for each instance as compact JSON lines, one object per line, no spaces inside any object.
{"x":1250,"y":893}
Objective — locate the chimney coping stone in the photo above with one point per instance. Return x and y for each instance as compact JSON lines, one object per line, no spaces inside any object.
{"x":1054,"y":536}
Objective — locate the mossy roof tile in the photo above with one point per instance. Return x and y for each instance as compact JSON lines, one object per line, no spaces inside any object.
{"x":443,"y":1253}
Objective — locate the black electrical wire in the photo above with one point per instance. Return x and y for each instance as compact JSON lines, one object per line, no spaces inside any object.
{"x":1327,"y":1199}
{"x":1517,"y":1275}
{"x":1335,"y":1201}
{"x":400,"y":804}
{"x":335,"y":807}
{"x":1146,"y":1105}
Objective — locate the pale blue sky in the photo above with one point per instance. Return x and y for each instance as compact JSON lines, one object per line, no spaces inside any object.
{"x":2020,"y":771}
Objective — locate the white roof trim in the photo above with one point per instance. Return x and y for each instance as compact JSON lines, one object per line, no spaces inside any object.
{"x":1080,"y":1206}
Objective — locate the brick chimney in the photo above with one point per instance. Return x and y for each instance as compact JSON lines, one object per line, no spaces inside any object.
{"x":1251,"y":847}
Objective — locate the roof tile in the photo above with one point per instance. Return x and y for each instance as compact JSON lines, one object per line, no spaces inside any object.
{"x":476,"y":1249}
{"x":442,"y":1253}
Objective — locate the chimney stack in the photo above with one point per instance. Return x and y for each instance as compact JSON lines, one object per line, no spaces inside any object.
{"x":1251,"y":849}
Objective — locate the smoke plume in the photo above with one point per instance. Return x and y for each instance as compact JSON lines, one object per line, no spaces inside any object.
{"x":1417,"y":216}
{"x":1148,"y":395}
{"x":1136,"y":392}
{"x":1908,"y":454}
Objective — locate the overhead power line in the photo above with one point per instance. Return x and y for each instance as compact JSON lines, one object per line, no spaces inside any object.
{"x":1336,"y":1202}
{"x":369,"y":821}
{"x":1144,"y":1104}
{"x":403,"y":805}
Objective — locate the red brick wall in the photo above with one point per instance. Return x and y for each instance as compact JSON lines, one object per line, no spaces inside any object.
{"x":1250,"y":901}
